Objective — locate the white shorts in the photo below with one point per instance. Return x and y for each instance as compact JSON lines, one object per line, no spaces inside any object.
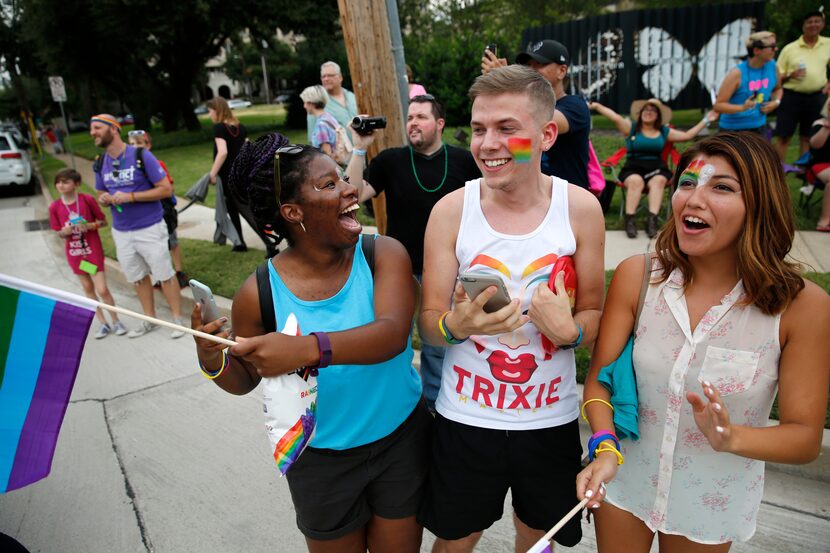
{"x":144,"y":251}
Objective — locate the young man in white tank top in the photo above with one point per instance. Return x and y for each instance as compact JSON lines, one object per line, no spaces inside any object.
{"x":508,"y":405}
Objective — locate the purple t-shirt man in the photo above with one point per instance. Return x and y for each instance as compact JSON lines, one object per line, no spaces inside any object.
{"x":121,"y":175}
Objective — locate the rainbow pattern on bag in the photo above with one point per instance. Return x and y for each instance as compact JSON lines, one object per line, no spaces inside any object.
{"x":294,"y":441}
{"x":520,"y":148}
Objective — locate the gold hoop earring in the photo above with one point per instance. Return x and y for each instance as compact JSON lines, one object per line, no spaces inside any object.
{"x":302,"y":226}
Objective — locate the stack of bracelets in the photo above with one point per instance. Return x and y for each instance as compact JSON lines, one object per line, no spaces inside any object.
{"x":595,"y":442}
{"x":226,"y":359}
{"x":445,"y":332}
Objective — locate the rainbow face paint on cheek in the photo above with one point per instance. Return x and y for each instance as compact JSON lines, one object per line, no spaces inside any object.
{"x":520,"y":149}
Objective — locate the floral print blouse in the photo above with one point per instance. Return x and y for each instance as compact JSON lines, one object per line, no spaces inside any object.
{"x":672,"y":479}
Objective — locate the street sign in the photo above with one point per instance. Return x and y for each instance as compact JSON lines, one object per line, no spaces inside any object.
{"x":57,"y":88}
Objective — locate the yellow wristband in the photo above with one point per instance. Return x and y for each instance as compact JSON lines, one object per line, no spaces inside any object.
{"x":217,"y":374}
{"x":603,"y":447}
{"x":595,"y":399}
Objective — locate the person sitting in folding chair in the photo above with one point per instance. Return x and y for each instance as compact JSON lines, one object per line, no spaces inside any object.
{"x":644,"y":169}
{"x":820,"y":163}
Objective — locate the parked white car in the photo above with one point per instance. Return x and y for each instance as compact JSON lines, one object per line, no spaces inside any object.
{"x":15,"y":164}
{"x":238,"y":103}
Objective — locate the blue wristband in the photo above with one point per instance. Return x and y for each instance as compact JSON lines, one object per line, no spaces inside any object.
{"x":358,"y":152}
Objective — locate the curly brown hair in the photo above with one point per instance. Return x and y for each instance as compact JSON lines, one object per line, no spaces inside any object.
{"x":770,"y":281}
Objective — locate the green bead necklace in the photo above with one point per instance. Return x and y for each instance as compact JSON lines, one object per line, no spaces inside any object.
{"x":424,"y":188}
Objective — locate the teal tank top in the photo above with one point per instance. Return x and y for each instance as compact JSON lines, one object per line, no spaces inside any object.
{"x":356,"y":404}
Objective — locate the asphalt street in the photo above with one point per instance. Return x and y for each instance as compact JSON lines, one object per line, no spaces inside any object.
{"x":152,"y":457}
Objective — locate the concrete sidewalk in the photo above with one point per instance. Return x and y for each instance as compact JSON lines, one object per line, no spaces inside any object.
{"x":153,"y":458}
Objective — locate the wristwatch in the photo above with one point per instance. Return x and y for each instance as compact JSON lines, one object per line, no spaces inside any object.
{"x":575,"y":343}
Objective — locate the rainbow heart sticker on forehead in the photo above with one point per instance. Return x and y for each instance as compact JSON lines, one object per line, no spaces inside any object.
{"x":700,"y":171}
{"x":520,"y":148}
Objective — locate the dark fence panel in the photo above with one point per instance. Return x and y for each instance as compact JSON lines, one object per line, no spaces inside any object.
{"x":679,"y":55}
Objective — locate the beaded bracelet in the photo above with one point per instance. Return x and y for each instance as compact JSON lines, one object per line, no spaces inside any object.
{"x":591,"y":400}
{"x":445,"y":332}
{"x":605,"y":447}
{"x":226,"y":360}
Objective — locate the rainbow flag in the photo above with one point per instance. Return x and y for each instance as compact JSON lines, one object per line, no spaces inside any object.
{"x":42,"y":336}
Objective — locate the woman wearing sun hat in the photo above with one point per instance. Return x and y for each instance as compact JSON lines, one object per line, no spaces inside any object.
{"x":646,"y":132}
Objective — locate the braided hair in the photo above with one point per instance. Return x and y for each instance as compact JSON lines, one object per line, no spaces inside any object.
{"x":251,"y":180}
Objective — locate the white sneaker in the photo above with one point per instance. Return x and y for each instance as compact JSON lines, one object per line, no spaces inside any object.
{"x":177,"y":333}
{"x":102,"y":332}
{"x":119,"y":328}
{"x":142,"y":330}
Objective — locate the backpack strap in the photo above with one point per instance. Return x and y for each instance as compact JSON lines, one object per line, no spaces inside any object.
{"x":367,"y":244}
{"x":266,"y":300}
{"x":98,"y":164}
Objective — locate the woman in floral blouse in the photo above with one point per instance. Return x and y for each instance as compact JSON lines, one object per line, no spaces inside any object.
{"x":726,"y":322}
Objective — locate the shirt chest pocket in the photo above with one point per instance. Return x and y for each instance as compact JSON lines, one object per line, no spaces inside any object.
{"x":731,"y":371}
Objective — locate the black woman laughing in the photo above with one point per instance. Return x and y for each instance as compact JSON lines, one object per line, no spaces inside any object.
{"x":358,"y":484}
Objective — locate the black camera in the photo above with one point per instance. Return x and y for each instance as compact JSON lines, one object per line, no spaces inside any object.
{"x":365,"y":125}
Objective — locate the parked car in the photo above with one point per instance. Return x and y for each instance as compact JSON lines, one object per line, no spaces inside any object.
{"x":76,"y":125}
{"x":127,"y":119}
{"x":201,"y":109}
{"x":238,"y":103}
{"x":15,"y":164}
{"x":282,"y":98}
{"x":18,"y":136}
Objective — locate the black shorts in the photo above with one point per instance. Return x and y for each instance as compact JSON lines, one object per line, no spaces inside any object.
{"x":472,"y":469}
{"x":335,"y":492}
{"x":797,"y":109}
{"x":646,"y":168}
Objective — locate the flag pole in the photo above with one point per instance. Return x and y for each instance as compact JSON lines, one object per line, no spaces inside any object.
{"x":200,"y":334}
{"x":545,"y":541}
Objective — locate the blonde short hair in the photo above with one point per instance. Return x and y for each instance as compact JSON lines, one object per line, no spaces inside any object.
{"x":756,"y":40}
{"x":517,"y":79}
{"x":316,"y":95}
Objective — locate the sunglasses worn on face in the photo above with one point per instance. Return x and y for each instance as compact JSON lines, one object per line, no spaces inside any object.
{"x":291,"y":149}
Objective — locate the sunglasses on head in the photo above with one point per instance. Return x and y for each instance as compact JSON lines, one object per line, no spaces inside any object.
{"x":291,"y":149}
{"x":136,"y":133}
{"x":422,"y":98}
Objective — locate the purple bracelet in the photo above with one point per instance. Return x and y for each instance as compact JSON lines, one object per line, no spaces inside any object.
{"x":324,"y":346}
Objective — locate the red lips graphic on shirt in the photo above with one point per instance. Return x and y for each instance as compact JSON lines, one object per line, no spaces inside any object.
{"x":508,"y":369}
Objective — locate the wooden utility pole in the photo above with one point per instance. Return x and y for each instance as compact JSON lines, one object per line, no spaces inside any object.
{"x":372,"y":66}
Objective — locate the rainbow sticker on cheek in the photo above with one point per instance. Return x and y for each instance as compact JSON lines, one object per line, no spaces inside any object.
{"x":520,"y":148}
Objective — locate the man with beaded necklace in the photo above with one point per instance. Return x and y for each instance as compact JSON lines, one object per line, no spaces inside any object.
{"x":414,"y":178}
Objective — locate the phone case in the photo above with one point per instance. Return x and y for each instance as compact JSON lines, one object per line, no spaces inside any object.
{"x":474,"y":284}
{"x":203,"y":295}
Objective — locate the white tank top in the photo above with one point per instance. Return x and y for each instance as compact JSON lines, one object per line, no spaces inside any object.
{"x":508,"y":382}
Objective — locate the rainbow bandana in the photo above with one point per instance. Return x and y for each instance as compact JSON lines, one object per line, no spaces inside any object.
{"x":106,"y":120}
{"x":520,"y":148}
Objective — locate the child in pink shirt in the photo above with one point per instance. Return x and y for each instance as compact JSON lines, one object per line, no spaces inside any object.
{"x":77,"y":217}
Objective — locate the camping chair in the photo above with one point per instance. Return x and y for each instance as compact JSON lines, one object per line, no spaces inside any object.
{"x":803,"y":170}
{"x":612,"y":166}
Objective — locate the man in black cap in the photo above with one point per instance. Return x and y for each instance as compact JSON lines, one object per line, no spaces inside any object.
{"x":568,"y":158}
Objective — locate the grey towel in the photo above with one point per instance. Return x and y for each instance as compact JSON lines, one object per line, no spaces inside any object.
{"x":224,"y":226}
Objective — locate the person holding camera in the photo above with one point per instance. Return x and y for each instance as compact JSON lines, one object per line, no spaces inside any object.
{"x":414,"y":178}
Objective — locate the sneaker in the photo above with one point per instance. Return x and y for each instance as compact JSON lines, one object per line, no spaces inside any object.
{"x":240,"y":248}
{"x":181,"y":276}
{"x":177,"y":333}
{"x":119,"y":328}
{"x":142,"y":330}
{"x":102,"y":332}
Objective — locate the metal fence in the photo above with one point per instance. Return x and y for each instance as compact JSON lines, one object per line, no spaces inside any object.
{"x":679,"y":55}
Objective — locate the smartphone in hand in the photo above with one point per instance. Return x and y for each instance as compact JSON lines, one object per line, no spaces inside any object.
{"x":493,"y":48}
{"x":203,"y":295}
{"x":476,"y":283}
